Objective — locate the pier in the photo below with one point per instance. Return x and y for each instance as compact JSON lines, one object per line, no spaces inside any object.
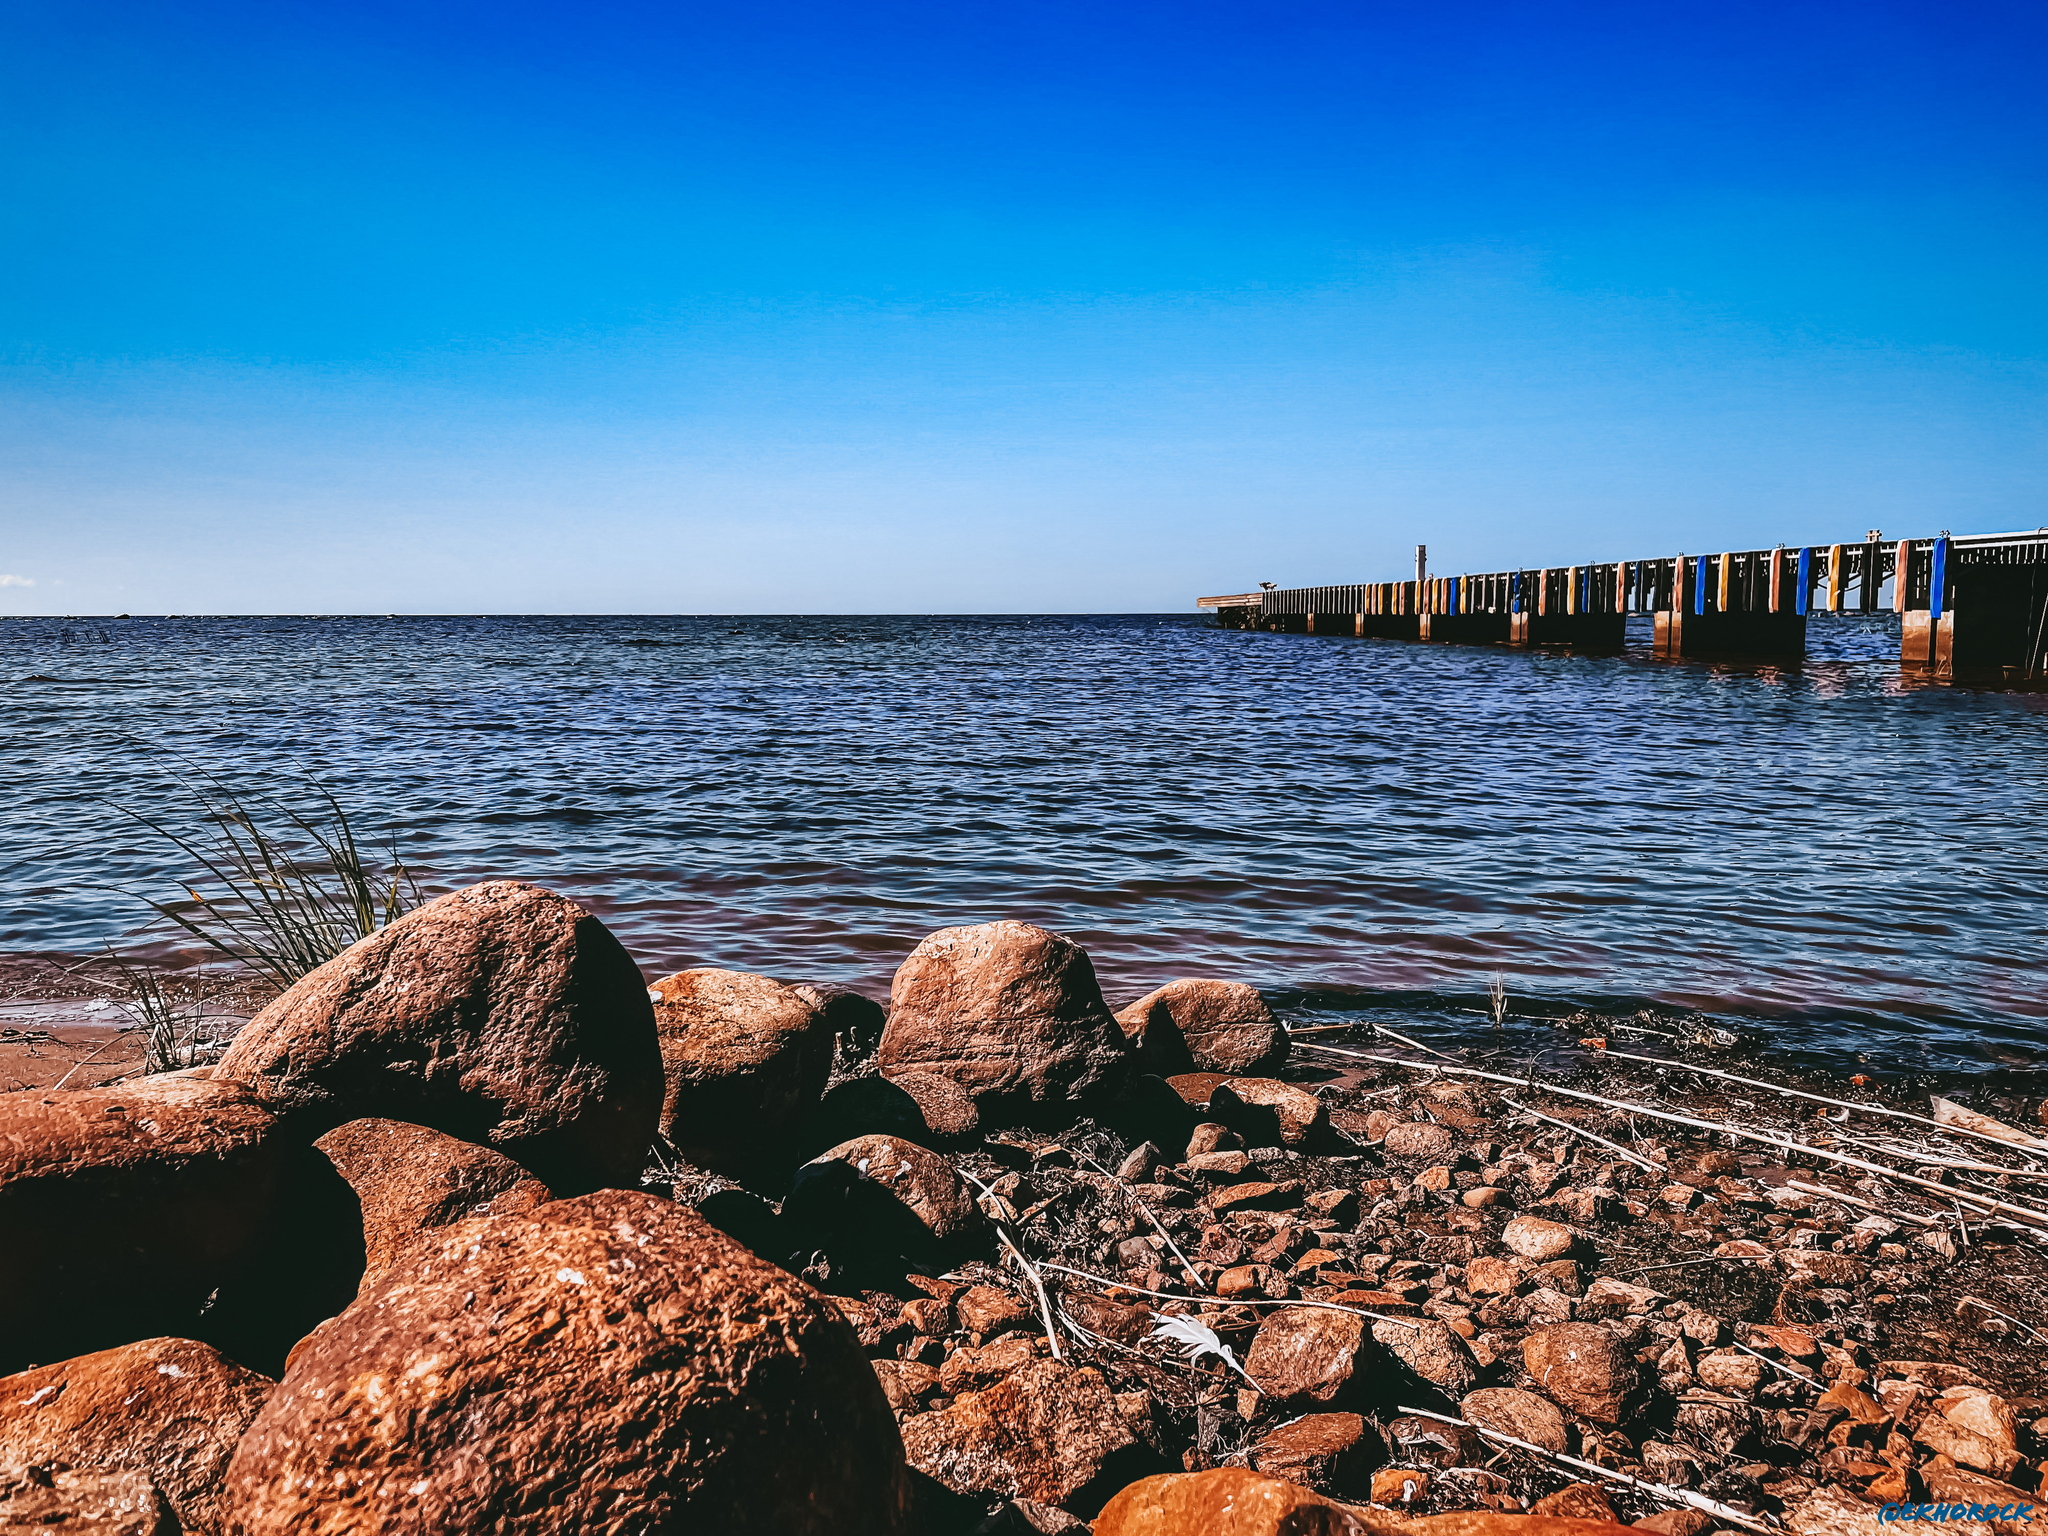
{"x":1971,"y":607}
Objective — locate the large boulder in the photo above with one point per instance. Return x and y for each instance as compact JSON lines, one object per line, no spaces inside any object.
{"x":502,"y":1014}
{"x":1010,"y":1012}
{"x":171,"y":1410}
{"x":1204,"y":1026}
{"x":124,"y":1208}
{"x":1045,"y":1433}
{"x":745,"y":1057}
{"x":410,"y":1180}
{"x":609,"y":1362}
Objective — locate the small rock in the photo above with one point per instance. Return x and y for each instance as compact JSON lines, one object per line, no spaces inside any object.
{"x":1400,"y":1486}
{"x":1494,"y":1277}
{"x":1419,"y":1139}
{"x":1339,"y":1205}
{"x":948,"y":1112}
{"x":1206,"y":1026}
{"x":1727,"y":1370}
{"x":1306,"y":1355}
{"x":1267,"y":1112}
{"x":1538,"y":1240}
{"x":1579,"y":1501}
{"x":1043,"y":1433}
{"x":1607,"y":1297}
{"x":1256,"y":1196}
{"x":1110,"y":1319}
{"x":883,"y":1195}
{"x":1218,"y":1167}
{"x":969,"y":1370}
{"x":1329,"y":1452}
{"x":989,"y":1310}
{"x":1432,"y":1350}
{"x":1583,"y":1367}
{"x":1667,"y":1463}
{"x":1511,"y":1411}
{"x":906,"y":1383}
{"x":1213,"y":1136}
{"x":1139,"y":1167}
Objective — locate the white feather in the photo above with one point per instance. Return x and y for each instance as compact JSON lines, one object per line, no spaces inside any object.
{"x":1192,"y":1335}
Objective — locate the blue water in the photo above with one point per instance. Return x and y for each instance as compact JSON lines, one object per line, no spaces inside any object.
{"x":1854,"y":863}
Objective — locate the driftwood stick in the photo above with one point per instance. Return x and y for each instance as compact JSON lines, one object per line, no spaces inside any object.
{"x":2037,"y":1220}
{"x":1776,"y":1365}
{"x":1030,"y":1269}
{"x":1234,"y":1301}
{"x":1798,"y":1093}
{"x":1684,"y":1496}
{"x":1579,"y":1130}
{"x":1382,"y":1029}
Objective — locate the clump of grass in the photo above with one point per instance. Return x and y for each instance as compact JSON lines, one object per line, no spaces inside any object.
{"x":285,"y":894}
{"x":1497,"y":1000}
{"x":171,"y":1039}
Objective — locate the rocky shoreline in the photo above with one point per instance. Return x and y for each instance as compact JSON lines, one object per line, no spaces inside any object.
{"x":475,"y":1229}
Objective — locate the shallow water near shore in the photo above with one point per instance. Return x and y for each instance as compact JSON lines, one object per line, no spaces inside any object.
{"x":1839,"y":862}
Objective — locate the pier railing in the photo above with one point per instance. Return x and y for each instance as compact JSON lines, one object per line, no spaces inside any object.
{"x":1752,"y":601}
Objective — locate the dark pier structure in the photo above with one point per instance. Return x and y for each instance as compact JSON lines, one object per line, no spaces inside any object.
{"x":1972,"y":608}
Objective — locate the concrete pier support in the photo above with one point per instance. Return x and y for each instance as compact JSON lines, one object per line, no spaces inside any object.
{"x":1762,"y":635}
{"x":1464,"y":628}
{"x":1579,"y":631}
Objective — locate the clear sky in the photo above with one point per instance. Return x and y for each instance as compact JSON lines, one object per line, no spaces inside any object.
{"x":883,"y":307}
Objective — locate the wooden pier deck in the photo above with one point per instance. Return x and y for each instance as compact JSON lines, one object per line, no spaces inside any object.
{"x":1972,"y":607}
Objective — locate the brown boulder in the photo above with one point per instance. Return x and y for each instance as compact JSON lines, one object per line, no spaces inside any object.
{"x":1583,"y":1367}
{"x":886,"y":1196}
{"x":1511,"y":1411}
{"x":1266,"y":1112}
{"x":1537,"y":1240}
{"x":1432,"y":1350}
{"x":171,"y":1410}
{"x":1116,"y":1320}
{"x":968,"y":1370}
{"x":123,"y":1208}
{"x":1208,"y":1026}
{"x":1328,"y":1452}
{"x":61,"y":1498}
{"x":1010,"y":1012}
{"x":942,"y":1104}
{"x":989,"y":1309}
{"x":1044,"y":1433}
{"x":744,"y":1058}
{"x":501,"y":1014}
{"x":1304,"y":1355}
{"x":606,"y":1362}
{"x":1579,"y":1501}
{"x":1419,"y":1139}
{"x":412,"y":1180}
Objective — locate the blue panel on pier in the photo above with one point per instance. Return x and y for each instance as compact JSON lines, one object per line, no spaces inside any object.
{"x":1805,"y":586}
{"x":1939,"y":578}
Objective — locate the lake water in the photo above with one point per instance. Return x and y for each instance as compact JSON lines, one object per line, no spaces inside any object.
{"x":1853,"y":864}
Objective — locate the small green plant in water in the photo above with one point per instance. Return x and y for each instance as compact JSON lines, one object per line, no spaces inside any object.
{"x":285,"y":899}
{"x":1497,"y":999}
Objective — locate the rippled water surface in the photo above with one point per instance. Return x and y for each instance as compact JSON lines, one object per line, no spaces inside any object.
{"x":1829,"y":852}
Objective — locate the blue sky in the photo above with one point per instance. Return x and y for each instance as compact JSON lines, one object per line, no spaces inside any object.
{"x":957,"y":308}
